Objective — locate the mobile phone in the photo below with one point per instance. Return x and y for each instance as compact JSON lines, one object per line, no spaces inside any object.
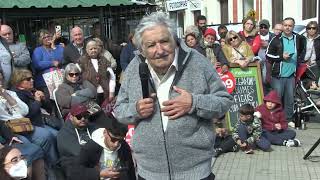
{"x":291,"y":54}
{"x":58,"y":28}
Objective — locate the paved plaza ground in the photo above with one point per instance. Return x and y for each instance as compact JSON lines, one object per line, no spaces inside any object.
{"x":282,"y":163}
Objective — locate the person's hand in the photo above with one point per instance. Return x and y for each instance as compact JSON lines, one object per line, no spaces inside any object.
{"x":39,"y":95}
{"x":178,"y":106}
{"x":285,"y":55}
{"x":224,"y":69}
{"x":109,"y":173}
{"x":55,"y":63}
{"x":15,"y":140}
{"x":145,"y":107}
{"x":278,"y":126}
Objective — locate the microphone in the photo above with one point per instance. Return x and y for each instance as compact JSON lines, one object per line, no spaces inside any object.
{"x":144,"y":77}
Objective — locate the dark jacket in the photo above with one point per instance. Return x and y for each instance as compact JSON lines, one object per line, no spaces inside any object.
{"x":316,"y":44}
{"x":71,"y":54}
{"x":34,"y":114}
{"x":218,"y":53}
{"x":271,"y":117}
{"x":274,"y":53}
{"x":82,"y":93}
{"x":89,"y":158}
{"x":127,"y":54}
{"x":69,"y":147}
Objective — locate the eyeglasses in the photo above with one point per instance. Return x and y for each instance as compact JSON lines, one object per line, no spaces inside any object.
{"x":15,"y":160}
{"x":263,"y":27}
{"x":309,"y":28}
{"x":114,"y":139}
{"x":83,"y":115}
{"x":46,"y":37}
{"x":73,"y":74}
{"x":27,"y":79}
{"x":233,"y":38}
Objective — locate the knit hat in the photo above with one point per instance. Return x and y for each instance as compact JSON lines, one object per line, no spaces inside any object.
{"x":264,"y":22}
{"x":210,"y":31}
{"x":272,"y":97}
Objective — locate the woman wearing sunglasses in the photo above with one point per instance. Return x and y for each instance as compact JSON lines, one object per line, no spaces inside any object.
{"x":236,"y":50}
{"x":312,"y":56}
{"x":74,"y":90}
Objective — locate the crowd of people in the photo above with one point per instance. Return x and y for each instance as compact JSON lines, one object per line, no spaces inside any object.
{"x":79,"y":127}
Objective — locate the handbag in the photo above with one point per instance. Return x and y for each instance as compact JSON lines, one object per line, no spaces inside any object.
{"x":20,"y":125}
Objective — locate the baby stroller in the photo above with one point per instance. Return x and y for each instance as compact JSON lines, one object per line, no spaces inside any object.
{"x":304,"y":105}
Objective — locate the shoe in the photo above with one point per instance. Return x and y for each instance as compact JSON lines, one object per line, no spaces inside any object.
{"x":292,"y":143}
{"x":235,"y":148}
{"x":291,"y":124}
{"x":249,"y":151}
{"x":218,"y":152}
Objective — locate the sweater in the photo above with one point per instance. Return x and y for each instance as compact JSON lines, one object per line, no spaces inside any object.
{"x":186,"y":147}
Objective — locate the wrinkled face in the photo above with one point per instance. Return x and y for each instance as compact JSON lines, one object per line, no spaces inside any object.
{"x":6,"y":32}
{"x":92,"y":49}
{"x":12,"y":158}
{"x":277,"y":29}
{"x":77,"y":36}
{"x":248,"y":26}
{"x":80,"y":120}
{"x":210,"y":39}
{"x":191,"y":41}
{"x":111,"y":141}
{"x":312,"y":30}
{"x":288,"y":26}
{"x":46,"y":39}
{"x":27,"y":82}
{"x":263,"y":29}
{"x":245,"y":118}
{"x":73,"y":76}
{"x":270,"y":105}
{"x":158,"y":46}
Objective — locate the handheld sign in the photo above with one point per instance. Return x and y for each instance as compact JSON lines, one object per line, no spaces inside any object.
{"x":248,"y":90}
{"x":228,"y":80}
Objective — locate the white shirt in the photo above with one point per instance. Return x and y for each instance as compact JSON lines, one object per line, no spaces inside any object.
{"x":310,"y":52}
{"x":163,"y":86}
{"x":8,"y":112}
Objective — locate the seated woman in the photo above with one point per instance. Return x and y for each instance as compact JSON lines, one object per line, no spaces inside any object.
{"x":45,"y":58}
{"x":73,"y":90}
{"x":22,"y":82}
{"x":236,"y":50}
{"x":97,"y":70}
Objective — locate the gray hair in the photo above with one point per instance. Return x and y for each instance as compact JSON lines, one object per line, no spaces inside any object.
{"x":154,"y":19}
{"x":71,"y":67}
{"x":192,"y":30}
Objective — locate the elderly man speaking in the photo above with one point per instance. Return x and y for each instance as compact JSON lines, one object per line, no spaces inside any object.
{"x":173,"y":137}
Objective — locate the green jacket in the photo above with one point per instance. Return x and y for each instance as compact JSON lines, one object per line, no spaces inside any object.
{"x":254,"y":130}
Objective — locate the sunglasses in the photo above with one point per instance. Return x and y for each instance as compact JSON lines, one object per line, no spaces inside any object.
{"x":309,"y":28}
{"x":27,"y":79}
{"x":83,"y":115}
{"x":73,"y":74}
{"x":233,"y":38}
{"x":264,"y":27}
{"x":114,"y":139}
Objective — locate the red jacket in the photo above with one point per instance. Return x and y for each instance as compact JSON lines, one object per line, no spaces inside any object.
{"x":270,"y":118}
{"x":253,"y":40}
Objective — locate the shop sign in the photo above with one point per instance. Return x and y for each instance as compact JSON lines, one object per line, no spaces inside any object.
{"x":177,"y":5}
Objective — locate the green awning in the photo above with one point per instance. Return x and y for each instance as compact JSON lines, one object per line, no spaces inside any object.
{"x":60,"y":3}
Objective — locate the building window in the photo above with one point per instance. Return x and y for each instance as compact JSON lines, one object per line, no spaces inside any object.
{"x":196,"y":14}
{"x":247,"y":6}
{"x":224,"y":11}
{"x":309,"y":9}
{"x":277,"y":11}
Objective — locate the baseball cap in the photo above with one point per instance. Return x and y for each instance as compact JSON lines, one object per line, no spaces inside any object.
{"x":78,"y":109}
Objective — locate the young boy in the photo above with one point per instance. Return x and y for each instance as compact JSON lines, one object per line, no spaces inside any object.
{"x":247,"y":133}
{"x":274,"y":122}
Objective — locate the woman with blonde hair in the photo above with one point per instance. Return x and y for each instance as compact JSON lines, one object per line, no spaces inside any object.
{"x":236,"y":50}
{"x":250,"y":34}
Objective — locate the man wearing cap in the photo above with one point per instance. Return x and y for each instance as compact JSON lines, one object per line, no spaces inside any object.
{"x":108,"y":151}
{"x":75,"y":133}
{"x":213,"y":50}
{"x":265,"y":36}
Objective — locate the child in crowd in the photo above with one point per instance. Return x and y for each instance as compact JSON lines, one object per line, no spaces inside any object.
{"x":247,"y":132}
{"x":274,"y":122}
{"x":224,"y":142}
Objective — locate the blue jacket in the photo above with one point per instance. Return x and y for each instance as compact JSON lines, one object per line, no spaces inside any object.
{"x":127,"y":54}
{"x":42,"y":62}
